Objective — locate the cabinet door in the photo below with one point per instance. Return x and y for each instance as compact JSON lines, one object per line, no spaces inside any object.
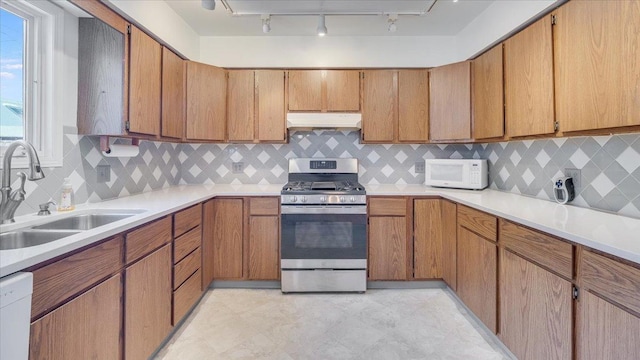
{"x":271,"y":115}
{"x":596,"y":51}
{"x":305,"y":90}
{"x":148,"y":292}
{"x":208,"y":242}
{"x":477,"y":275}
{"x":413,"y":105}
{"x":387,"y":248}
{"x":449,"y":242}
{"x":87,"y":327}
{"x":264,"y":249}
{"x":240,"y":98}
{"x":528,"y":72}
{"x":605,"y":331}
{"x":535,"y":310}
{"x":488,"y":95}
{"x":228,"y":220}
{"x":428,"y":249}
{"x":379,"y":105}
{"x":145,"y":76}
{"x":206,"y":102}
{"x":173,"y":94}
{"x":343,"y":90}
{"x":450,"y":102}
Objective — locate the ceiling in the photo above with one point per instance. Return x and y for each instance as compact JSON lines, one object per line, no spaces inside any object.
{"x":445,"y":18}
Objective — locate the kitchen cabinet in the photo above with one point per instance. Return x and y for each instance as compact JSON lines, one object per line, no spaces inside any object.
{"x":145,"y":77}
{"x":263,"y":239}
{"x":324,"y":90}
{"x":389,"y":250}
{"x":596,"y":47}
{"x":528,"y":81}
{"x":477,"y":264}
{"x":256,"y":105}
{"x":206,"y":102}
{"x":228,"y":228}
{"x":413,"y":105}
{"x":87,"y":327}
{"x":608,"y":307}
{"x":379,"y":106}
{"x":488,"y":95}
{"x":428,"y":249}
{"x":173,"y":94}
{"x":449,"y":242}
{"x":208,"y":242}
{"x":536,"y":304}
{"x":450,"y":102}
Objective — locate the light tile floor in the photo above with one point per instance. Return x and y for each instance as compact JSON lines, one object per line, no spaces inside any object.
{"x":381,"y":324}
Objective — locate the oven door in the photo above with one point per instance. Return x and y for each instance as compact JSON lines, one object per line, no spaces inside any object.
{"x":319,"y":236}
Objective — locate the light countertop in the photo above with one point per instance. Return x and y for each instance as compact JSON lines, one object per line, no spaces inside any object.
{"x":613,"y":234}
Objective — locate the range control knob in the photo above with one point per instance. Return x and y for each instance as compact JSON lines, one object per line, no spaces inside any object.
{"x":342,"y":199}
{"x":323,"y":199}
{"x":352,"y":199}
{"x":293,"y":198}
{"x":303,"y":199}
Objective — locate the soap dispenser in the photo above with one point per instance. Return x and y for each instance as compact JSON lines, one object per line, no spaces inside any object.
{"x":67,"y":201}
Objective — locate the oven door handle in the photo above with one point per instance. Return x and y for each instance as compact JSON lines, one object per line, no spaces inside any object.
{"x":310,"y":209}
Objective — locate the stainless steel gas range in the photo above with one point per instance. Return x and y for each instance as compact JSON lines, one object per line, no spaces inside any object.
{"x":324,"y":227}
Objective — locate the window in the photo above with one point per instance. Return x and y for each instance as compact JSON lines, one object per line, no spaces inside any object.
{"x":31,"y":40}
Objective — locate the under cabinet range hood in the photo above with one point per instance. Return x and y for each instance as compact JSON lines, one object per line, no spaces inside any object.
{"x":340,"y":121}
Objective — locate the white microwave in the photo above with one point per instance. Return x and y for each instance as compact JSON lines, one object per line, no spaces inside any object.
{"x":457,"y":173}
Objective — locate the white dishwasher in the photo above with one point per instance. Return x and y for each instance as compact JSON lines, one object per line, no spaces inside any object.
{"x":15,"y":315}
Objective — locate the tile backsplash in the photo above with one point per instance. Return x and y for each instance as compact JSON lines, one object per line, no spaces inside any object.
{"x":610,"y":166}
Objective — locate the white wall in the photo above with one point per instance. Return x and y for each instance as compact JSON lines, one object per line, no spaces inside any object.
{"x":159,"y":18}
{"x":313,"y":51}
{"x":498,"y":20}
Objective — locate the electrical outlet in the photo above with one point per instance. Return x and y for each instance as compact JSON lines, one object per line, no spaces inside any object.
{"x":576,"y":174}
{"x":419,"y":167}
{"x":237,"y":167}
{"x":103,"y":173}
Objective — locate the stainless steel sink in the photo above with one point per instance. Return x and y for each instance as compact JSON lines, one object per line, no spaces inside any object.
{"x":26,"y":238}
{"x":82,"y":222}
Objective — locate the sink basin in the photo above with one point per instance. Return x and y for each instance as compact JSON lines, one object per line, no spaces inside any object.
{"x":27,"y":238}
{"x":82,"y":222}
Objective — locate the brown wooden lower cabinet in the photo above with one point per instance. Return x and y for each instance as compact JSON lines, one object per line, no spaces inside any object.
{"x":87,"y":327}
{"x":427,"y":243}
{"x":264,"y":249}
{"x":449,"y":243}
{"x":228,"y":227}
{"x":388,"y":248}
{"x":478,"y":276}
{"x":147,"y":296}
{"x":535,"y":310}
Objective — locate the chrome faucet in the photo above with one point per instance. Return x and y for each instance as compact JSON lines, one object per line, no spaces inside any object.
{"x":11,"y":200}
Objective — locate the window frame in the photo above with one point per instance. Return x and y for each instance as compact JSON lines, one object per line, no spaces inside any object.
{"x":42,"y":70}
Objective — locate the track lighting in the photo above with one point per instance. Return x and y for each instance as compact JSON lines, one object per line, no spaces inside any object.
{"x":392,"y":23}
{"x":209,"y":4}
{"x":322,"y":28}
{"x":266,"y":23}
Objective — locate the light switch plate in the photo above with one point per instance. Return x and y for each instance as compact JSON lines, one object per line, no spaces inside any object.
{"x":237,"y":167}
{"x":103,"y":173}
{"x":576,"y":174}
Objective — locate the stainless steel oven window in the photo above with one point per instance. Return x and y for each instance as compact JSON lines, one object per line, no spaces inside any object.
{"x":323,"y":235}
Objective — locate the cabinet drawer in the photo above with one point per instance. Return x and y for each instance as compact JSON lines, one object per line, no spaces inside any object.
{"x":264,"y":206}
{"x":186,"y":244}
{"x":611,"y":279}
{"x":186,"y":267}
{"x":185,"y":296}
{"x":187,"y":219}
{"x":554,"y":254}
{"x":478,"y":222}
{"x":57,"y":282}
{"x":147,"y":238}
{"x":388,"y":206}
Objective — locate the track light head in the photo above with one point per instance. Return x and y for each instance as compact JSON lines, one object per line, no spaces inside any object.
{"x":208,"y":4}
{"x":266,"y":23}
{"x":392,"y":23}
{"x":322,"y":28}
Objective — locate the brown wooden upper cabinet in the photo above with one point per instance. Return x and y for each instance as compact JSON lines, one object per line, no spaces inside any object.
{"x":324,"y":90}
{"x":379,"y":106}
{"x":206,"y":102}
{"x":450,"y":102}
{"x":528,"y":73}
{"x":596,"y":51}
{"x":256,"y":105}
{"x":173,"y":94}
{"x":413,"y":105}
{"x":145,"y":78}
{"x":488,"y":95}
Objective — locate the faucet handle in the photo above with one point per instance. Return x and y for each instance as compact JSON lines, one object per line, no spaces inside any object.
{"x":44,"y":208}
{"x":19,"y":193}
